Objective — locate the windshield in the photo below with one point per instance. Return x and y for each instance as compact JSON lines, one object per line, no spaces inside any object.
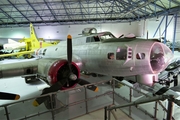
{"x":106,"y":36}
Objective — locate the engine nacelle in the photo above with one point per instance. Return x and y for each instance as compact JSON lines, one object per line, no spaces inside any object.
{"x":54,"y":70}
{"x":18,"y":69}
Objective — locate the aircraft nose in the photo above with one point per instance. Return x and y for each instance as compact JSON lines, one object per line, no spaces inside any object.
{"x":160,"y":57}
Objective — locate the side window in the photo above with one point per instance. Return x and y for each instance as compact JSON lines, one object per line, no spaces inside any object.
{"x":96,"y":38}
{"x":92,"y":39}
{"x":88,"y":39}
{"x":110,"y":56}
{"x":121,"y":54}
{"x":140,"y":56}
{"x":103,"y":37}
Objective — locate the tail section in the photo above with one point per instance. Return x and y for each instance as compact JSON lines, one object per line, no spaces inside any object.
{"x":10,"y":41}
{"x":33,"y":43}
{"x":33,"y":32}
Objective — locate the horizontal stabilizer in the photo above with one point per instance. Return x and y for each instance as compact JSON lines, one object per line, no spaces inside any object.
{"x":17,"y":53}
{"x":176,"y":88}
{"x":12,"y":41}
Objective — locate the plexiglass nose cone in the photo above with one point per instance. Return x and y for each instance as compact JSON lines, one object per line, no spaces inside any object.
{"x":160,"y":57}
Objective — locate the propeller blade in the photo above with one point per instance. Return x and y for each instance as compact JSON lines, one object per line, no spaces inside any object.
{"x":84,"y":82}
{"x":55,"y":87}
{"x":69,"y":50}
{"x":8,"y":96}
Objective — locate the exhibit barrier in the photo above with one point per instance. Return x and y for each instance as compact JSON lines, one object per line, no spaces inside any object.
{"x":79,"y":101}
{"x":154,"y":109}
{"x":69,"y":104}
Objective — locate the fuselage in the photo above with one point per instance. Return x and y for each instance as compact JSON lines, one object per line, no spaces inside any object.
{"x":14,"y":46}
{"x":131,"y":56}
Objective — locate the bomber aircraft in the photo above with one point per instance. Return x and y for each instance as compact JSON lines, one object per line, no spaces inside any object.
{"x":60,"y":65}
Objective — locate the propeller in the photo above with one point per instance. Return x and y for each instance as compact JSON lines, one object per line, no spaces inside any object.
{"x":58,"y":85}
{"x":69,"y":50}
{"x":66,"y":76}
{"x":8,"y":96}
{"x":55,"y":87}
{"x":72,"y":76}
{"x":84,"y":82}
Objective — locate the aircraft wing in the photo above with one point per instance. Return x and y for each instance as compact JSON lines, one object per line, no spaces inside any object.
{"x":26,"y":91}
{"x":60,"y":73}
{"x":16,"y":53}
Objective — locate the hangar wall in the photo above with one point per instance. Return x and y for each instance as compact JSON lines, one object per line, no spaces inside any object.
{"x":139,"y":28}
{"x":152,"y":25}
{"x":60,"y":32}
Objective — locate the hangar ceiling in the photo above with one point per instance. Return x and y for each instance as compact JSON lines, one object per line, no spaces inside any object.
{"x":17,"y":13}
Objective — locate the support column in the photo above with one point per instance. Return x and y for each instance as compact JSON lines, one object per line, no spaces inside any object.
{"x":170,"y":108}
{"x":174,"y":35}
{"x":165,"y":29}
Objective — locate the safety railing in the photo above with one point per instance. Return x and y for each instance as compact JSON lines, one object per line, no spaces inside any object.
{"x":155,"y":108}
{"x":65,"y":104}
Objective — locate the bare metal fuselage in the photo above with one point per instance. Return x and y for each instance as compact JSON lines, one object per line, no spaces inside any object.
{"x":144,"y":58}
{"x":93,"y":56}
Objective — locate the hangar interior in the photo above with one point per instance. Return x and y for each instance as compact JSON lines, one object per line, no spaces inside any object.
{"x":54,"y":20}
{"x":64,"y":17}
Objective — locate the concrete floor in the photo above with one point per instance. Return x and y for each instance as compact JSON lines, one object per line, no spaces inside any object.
{"x":99,"y":115}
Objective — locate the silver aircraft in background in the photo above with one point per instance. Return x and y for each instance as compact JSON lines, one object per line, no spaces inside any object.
{"x":101,"y":53}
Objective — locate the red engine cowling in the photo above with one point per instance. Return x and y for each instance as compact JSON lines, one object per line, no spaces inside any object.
{"x":57,"y":70}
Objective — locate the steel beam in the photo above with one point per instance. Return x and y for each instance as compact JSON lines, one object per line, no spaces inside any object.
{"x":158,"y":26}
{"x":165,"y":28}
{"x":174,"y":35}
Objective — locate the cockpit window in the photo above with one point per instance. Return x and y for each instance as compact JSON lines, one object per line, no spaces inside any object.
{"x":110,"y":56}
{"x":92,"y":39}
{"x":96,"y":38}
{"x":121,"y":54}
{"x":106,"y":36}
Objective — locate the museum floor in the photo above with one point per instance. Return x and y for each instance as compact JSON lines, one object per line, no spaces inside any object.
{"x":99,"y":115}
